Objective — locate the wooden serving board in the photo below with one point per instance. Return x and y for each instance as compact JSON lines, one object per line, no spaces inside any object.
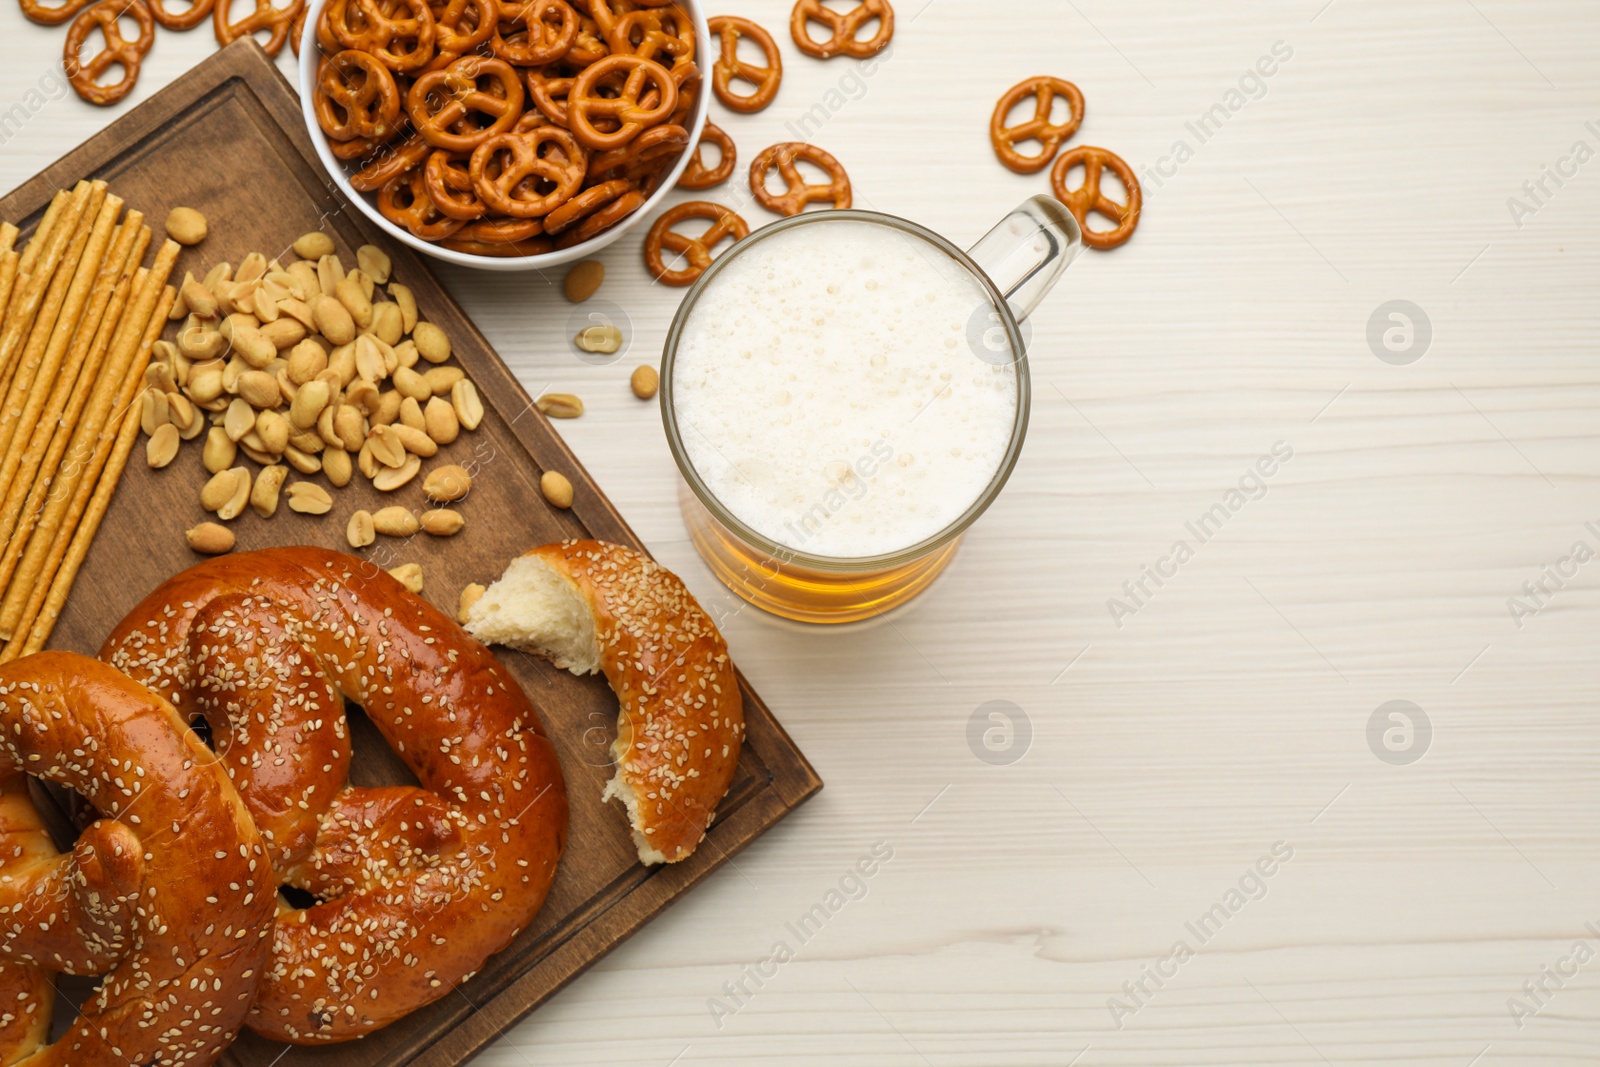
{"x":227,"y":138}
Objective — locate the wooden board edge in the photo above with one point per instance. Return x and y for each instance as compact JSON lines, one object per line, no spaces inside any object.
{"x":594,"y":941}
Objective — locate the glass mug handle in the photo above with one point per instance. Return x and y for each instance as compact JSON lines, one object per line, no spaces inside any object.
{"x":1028,"y":252}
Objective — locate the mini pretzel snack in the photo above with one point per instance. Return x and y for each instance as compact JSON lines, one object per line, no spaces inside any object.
{"x":507,"y":129}
{"x":118,"y":50}
{"x":725,"y":223}
{"x":1087,"y":198}
{"x":799,"y":192}
{"x":699,"y":176}
{"x":279,"y":23}
{"x":1051,"y":136}
{"x":844,"y":28}
{"x":729,"y":66}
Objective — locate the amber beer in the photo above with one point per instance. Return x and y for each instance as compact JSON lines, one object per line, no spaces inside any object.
{"x":845,"y":393}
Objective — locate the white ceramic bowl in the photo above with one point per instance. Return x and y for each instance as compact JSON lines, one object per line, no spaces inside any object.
{"x":339,"y":171}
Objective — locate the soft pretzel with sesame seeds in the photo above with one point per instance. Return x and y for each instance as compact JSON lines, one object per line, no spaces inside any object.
{"x":182,"y":955}
{"x":417,"y":887}
{"x":592,"y":606}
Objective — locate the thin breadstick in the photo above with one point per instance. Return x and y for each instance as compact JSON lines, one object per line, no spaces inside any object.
{"x":26,"y":386}
{"x":47,"y":226}
{"x":8,"y":241}
{"x":47,"y":232}
{"x":42,"y":408}
{"x":8,"y":281}
{"x":90,"y":442}
{"x":63,"y":506}
{"x":71,"y":394}
{"x":87,"y":451}
{"x":25,"y":296}
{"x":44,"y":623}
{"x":141,"y":242}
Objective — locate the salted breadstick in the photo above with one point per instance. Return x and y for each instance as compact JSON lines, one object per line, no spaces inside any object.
{"x":8,"y":281}
{"x":46,"y":545}
{"x":90,"y":444}
{"x":47,"y":226}
{"x":41,"y":305}
{"x":105,"y":486}
{"x":25,"y":382}
{"x":39,"y":245}
{"x":25,"y":297}
{"x":43,"y":404}
{"x":26,"y":503}
{"x":8,"y":240}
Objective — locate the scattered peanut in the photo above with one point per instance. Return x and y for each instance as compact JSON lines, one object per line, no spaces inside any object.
{"x":374,"y":261}
{"x":186,"y":226}
{"x":389,"y":479}
{"x":395,"y":522}
{"x":233,"y":507}
{"x":644,"y":382}
{"x":409,"y":575}
{"x":309,"y":498}
{"x":560,"y":405}
{"x":583,"y":280}
{"x":219,"y":489}
{"x":337,"y":466}
{"x":431,"y":342}
{"x":556,"y":489}
{"x":314,"y":246}
{"x":210,"y":539}
{"x":469,"y":409}
{"x":439,"y":419}
{"x":264,"y":497}
{"x":447,"y":484}
{"x":220,"y":450}
{"x":360,"y":531}
{"x":163,"y":446}
{"x":408,"y":306}
{"x":442,"y":522}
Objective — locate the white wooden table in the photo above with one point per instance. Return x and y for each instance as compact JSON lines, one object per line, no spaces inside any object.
{"x":1035,"y":898}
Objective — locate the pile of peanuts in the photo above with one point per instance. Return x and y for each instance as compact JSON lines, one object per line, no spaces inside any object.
{"x":305,"y":366}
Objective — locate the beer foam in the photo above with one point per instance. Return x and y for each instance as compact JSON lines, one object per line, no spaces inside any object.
{"x":829,"y":393}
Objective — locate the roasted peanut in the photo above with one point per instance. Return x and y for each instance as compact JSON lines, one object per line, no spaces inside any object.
{"x":431,"y":342}
{"x":360,"y":531}
{"x":395,"y":522}
{"x":309,"y":498}
{"x":186,"y":226}
{"x":469,"y":409}
{"x":409,"y":575}
{"x":162,"y":448}
{"x":375,"y":262}
{"x":583,"y":280}
{"x":264,"y":497}
{"x":314,"y":246}
{"x":210,"y":539}
{"x":442,"y":522}
{"x":440,"y":421}
{"x":560,"y":405}
{"x":556,"y":489}
{"x":447,"y":484}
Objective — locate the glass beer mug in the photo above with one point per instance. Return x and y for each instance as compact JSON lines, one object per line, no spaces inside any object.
{"x":846,"y":393}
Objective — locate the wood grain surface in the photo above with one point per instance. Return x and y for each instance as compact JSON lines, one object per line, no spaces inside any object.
{"x":235,"y":105}
{"x":1167,"y":755}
